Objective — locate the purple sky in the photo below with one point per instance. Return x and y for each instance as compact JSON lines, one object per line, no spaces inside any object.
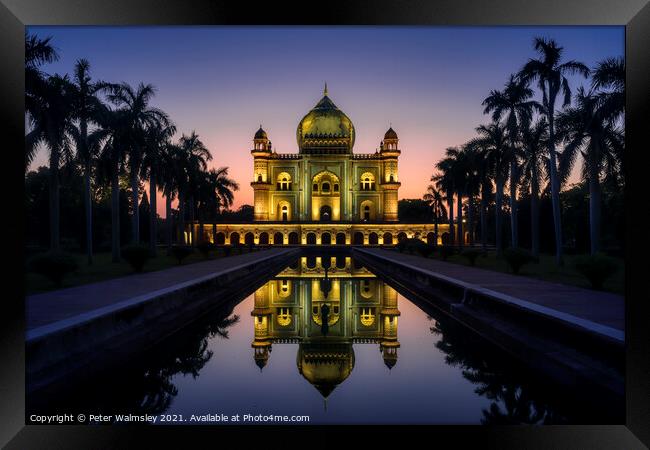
{"x":223,"y":82}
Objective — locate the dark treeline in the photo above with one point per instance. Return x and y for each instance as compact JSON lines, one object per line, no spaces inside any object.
{"x":508,"y":185}
{"x":104,"y":142}
{"x":73,"y":223}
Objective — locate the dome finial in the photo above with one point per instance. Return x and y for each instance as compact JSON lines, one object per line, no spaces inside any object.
{"x":325,"y":90}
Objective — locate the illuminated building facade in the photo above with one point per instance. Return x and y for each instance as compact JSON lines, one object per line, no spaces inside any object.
{"x":325,"y":181}
{"x":361,"y":310}
{"x":325,"y":194}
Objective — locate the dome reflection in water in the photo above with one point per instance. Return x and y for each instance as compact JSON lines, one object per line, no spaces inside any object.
{"x":270,"y":354}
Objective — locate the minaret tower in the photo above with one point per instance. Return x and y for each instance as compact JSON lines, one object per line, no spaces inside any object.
{"x":389,"y":181}
{"x":389,"y":313}
{"x":261,"y":177}
{"x":262,"y":314}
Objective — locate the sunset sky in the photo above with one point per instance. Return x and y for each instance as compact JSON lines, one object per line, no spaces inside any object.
{"x":224,"y":82}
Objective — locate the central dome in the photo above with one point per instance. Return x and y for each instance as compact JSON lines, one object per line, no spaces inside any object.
{"x":325,"y":365}
{"x":325,"y":129}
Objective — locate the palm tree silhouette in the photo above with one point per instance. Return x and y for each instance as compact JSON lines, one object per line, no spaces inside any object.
{"x":445,"y":181}
{"x":481,"y":181}
{"x":37,"y":52}
{"x":587,"y":130}
{"x":156,"y":139}
{"x":435,"y":201}
{"x":216,"y":191}
{"x":112,"y":158}
{"x":88,"y":110}
{"x":50,"y":117}
{"x":170,"y":173}
{"x":493,"y":140}
{"x":534,"y":168}
{"x":550,"y":75}
{"x":473,"y":172}
{"x":194,"y":157}
{"x":514,"y":103}
{"x":609,"y":78}
{"x":137,"y":116}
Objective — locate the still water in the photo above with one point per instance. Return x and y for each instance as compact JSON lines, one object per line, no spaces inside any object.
{"x":327,"y":339}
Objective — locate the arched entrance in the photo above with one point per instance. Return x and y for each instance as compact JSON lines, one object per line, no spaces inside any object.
{"x":340,"y":238}
{"x":234,"y":238}
{"x":326,"y":239}
{"x":278,"y":238}
{"x":367,"y":211}
{"x":373,"y":239}
{"x":249,"y":239}
{"x":325,"y":197}
{"x":293,"y":238}
{"x":431,"y":238}
{"x":401,"y":236}
{"x":311,"y":238}
{"x":325,"y":213}
{"x":357,"y":238}
{"x":264,"y":238}
{"x":219,"y":238}
{"x":284,"y":211}
{"x":446,"y":240}
{"x":388,"y":239}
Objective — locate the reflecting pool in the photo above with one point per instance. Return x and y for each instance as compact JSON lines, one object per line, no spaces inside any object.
{"x":327,"y":339}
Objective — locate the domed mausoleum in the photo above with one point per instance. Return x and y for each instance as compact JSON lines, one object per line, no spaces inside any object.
{"x":325,"y":181}
{"x":326,"y":193}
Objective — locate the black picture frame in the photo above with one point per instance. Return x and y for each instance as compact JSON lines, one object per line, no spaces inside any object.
{"x":633,"y":14}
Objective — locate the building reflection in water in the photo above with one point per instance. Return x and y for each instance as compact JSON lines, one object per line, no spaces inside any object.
{"x":200,"y":364}
{"x":325,"y":305}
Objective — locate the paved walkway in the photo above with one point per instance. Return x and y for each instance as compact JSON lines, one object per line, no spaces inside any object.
{"x":603,"y":308}
{"x":49,"y":307}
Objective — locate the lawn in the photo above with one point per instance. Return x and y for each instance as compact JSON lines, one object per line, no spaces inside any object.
{"x":103,"y":269}
{"x":546,"y":269}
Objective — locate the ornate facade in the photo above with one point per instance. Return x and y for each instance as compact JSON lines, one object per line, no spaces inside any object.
{"x":325,"y":194}
{"x":325,"y":181}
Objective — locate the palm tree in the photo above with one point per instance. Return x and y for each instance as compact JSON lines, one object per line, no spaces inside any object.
{"x":224,"y":187}
{"x":87,"y":109}
{"x":550,"y":74}
{"x":170,"y":174}
{"x":534,"y":167}
{"x":435,"y":200}
{"x":444,"y":180}
{"x":138,"y":117}
{"x":459,"y":169}
{"x":112,"y":155}
{"x":514,"y":103}
{"x":586,"y":130}
{"x":455,"y":165}
{"x":472,"y":162}
{"x":50,"y":118}
{"x":493,"y":139}
{"x":37,"y":52}
{"x":481,"y":182}
{"x":609,"y":78}
{"x":157,"y":138}
{"x":195,"y":157}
